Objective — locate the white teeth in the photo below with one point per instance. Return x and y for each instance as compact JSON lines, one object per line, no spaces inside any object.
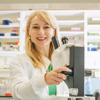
{"x":41,"y":38}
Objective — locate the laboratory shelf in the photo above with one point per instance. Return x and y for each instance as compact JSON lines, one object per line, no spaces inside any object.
{"x":92,"y":54}
{"x":59,"y":12}
{"x":9,"y":26}
{"x":71,"y":33}
{"x":94,"y":27}
{"x":93,"y":38}
{"x":94,"y":32}
{"x":10,"y":53}
{"x":69,"y":22}
{"x":9,"y":37}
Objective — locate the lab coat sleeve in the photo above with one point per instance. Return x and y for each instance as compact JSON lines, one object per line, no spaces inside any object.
{"x":21,"y":87}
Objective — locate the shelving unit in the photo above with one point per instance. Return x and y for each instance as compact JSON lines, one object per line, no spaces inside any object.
{"x":13,"y":15}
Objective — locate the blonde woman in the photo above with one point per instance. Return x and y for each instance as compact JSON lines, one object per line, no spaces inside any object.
{"x":32,"y":76}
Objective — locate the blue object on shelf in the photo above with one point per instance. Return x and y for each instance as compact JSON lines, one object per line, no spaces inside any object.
{"x":6,"y":22}
{"x":94,"y":49}
{"x":14,"y":34}
{"x":88,"y":48}
{"x":95,"y":82}
{"x":1,"y":34}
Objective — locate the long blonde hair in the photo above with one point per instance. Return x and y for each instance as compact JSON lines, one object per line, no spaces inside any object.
{"x":33,"y":54}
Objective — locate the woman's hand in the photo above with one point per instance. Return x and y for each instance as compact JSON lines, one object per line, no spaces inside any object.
{"x":54,"y":77}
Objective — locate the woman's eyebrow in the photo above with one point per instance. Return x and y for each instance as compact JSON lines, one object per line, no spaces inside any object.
{"x":38,"y":24}
{"x":35,"y":24}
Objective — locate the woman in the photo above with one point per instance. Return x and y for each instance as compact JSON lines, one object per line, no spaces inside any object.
{"x":29,"y":77}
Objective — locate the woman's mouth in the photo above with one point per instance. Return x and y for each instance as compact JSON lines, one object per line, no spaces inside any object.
{"x":41,"y":38}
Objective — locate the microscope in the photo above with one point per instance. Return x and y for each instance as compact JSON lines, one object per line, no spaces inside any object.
{"x":73,"y":56}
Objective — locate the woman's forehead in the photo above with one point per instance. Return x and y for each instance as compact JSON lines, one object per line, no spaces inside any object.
{"x":36,"y":21}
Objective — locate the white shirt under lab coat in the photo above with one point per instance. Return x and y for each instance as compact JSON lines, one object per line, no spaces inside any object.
{"x":28,"y":83}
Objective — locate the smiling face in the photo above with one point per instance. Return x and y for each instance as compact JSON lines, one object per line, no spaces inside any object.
{"x":40,"y":32}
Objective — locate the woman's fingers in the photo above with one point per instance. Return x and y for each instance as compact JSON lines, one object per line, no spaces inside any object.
{"x":62,"y":76}
{"x":55,"y":77}
{"x":59,"y":75}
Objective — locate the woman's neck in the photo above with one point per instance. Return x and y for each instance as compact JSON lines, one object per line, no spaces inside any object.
{"x":43,"y":50}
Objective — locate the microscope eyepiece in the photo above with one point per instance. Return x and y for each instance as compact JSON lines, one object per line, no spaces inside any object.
{"x":64,"y":40}
{"x":55,"y":42}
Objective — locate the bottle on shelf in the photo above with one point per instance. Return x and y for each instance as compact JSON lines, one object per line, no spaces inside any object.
{"x":89,"y":86}
{"x":7,"y":92}
{"x":7,"y":47}
{"x":11,"y":47}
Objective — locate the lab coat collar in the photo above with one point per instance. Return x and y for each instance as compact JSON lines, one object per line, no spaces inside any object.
{"x":47,"y":61}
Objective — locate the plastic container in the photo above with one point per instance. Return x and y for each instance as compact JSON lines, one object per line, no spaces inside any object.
{"x":73,"y":91}
{"x":6,"y":21}
{"x":88,"y":86}
{"x":75,"y":29}
{"x":14,"y":34}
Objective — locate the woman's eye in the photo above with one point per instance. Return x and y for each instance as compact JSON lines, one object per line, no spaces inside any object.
{"x":47,"y":27}
{"x":35,"y":27}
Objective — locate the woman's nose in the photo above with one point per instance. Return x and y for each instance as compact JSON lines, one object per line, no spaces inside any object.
{"x":41,"y":31}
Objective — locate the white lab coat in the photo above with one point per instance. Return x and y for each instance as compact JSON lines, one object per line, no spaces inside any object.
{"x":28,"y":83}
